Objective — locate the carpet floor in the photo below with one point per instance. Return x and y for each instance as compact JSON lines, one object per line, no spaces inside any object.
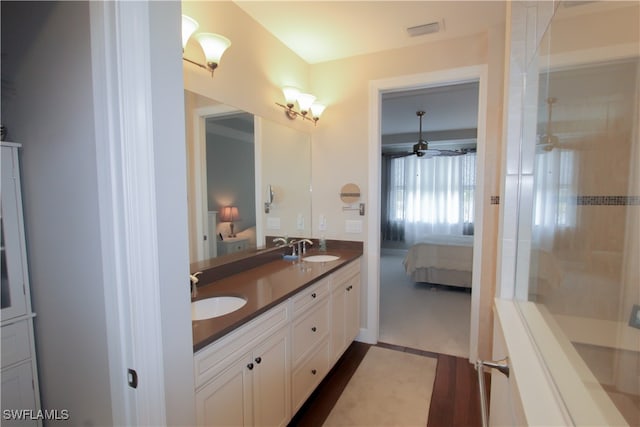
{"x":422,"y":316}
{"x":389,"y":388}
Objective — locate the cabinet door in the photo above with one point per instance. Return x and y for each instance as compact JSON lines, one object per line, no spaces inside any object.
{"x":352,"y":309}
{"x":12,"y":269}
{"x":18,"y":394}
{"x":271,"y":385}
{"x":338,"y":310}
{"x":226,"y":400}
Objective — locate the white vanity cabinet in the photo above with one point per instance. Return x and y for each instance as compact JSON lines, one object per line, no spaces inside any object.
{"x":19,"y":374}
{"x":345,"y":308}
{"x":243,"y":379}
{"x":261,"y":373}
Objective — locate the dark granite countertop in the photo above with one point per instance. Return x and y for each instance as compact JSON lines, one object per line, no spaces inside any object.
{"x":263,"y":287}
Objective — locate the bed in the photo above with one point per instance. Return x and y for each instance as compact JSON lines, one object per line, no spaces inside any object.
{"x":444,"y":260}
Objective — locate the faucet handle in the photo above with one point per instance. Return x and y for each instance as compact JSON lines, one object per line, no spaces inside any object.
{"x":193,"y":282}
{"x":194,"y":277}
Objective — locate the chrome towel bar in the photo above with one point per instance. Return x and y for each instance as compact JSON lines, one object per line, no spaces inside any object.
{"x":502,"y":366}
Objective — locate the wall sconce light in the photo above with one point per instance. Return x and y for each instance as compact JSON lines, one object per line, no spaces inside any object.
{"x":213,"y":45}
{"x":306,"y":103}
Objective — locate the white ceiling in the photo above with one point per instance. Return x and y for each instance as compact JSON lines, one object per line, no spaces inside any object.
{"x":320,"y":31}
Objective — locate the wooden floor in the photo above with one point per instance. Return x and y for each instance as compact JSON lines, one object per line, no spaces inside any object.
{"x":455,"y":399}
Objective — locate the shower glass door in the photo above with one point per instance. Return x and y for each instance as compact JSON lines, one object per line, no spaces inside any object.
{"x":579,"y":232}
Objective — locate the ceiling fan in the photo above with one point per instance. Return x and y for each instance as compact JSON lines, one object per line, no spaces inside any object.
{"x":421,"y":148}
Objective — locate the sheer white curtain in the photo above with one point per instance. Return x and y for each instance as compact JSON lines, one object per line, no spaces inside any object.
{"x":555,"y":195}
{"x":432,"y":196}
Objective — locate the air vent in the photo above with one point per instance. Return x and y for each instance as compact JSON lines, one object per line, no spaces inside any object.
{"x":420,"y":30}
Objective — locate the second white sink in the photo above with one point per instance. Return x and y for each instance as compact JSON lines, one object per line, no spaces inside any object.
{"x":320,"y":258}
{"x":215,"y":306}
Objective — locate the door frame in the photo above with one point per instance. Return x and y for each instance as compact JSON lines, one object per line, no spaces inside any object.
{"x":403,"y":83}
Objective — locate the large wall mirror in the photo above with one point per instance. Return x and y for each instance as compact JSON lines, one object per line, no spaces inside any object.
{"x":248,"y":178}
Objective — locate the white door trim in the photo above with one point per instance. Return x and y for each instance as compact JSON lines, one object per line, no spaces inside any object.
{"x":199,"y":173}
{"x":128,"y":217}
{"x":431,"y":79}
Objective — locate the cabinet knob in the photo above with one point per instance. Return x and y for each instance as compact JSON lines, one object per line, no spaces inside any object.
{"x":258,"y":359}
{"x":313,"y":295}
{"x":313,"y":371}
{"x":349,"y":287}
{"x":250,"y":366}
{"x":314,"y":329}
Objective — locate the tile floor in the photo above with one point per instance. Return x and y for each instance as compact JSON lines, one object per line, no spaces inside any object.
{"x":421,"y":316}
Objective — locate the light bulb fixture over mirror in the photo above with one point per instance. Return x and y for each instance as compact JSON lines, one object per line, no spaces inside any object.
{"x":213,"y":45}
{"x":308,"y":108}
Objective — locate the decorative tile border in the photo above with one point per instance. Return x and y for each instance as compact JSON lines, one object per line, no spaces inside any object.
{"x":608,"y":200}
{"x":495,"y":200}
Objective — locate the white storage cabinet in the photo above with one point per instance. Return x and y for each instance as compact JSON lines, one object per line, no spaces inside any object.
{"x":20,"y":393}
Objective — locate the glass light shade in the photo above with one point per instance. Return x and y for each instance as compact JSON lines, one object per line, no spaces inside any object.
{"x":317,"y":110}
{"x":305,"y":100}
{"x":290,"y":94}
{"x":213,"y":46}
{"x":189,"y":26}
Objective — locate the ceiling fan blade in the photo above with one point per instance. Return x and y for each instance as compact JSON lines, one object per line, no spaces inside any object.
{"x":398,"y":155}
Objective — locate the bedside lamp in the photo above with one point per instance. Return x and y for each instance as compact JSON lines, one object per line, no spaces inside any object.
{"x":230,"y":214}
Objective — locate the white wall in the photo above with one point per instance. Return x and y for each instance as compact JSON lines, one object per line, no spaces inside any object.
{"x":48,"y":45}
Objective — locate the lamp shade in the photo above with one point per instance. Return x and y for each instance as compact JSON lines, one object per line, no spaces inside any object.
{"x":305,"y":100}
{"x":189,"y":26}
{"x":229,"y":214}
{"x":213,"y":46}
{"x":290,"y":94}
{"x":317,"y":109}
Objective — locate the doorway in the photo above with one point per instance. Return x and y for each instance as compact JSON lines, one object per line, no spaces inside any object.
{"x":417,"y":82}
{"x":428,"y":175}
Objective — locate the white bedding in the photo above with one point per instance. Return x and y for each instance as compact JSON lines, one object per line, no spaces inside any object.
{"x":439,"y":254}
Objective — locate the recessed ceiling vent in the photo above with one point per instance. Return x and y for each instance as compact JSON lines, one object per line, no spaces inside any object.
{"x":420,"y":30}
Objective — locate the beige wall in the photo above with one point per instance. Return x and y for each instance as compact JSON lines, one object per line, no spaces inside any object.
{"x":256,"y":66}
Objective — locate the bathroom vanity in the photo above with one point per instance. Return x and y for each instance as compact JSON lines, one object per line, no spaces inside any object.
{"x":258,"y":364}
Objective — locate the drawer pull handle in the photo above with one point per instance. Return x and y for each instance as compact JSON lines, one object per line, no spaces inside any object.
{"x":313,"y":295}
{"x":349,"y":288}
{"x":313,"y":371}
{"x":258,"y":359}
{"x":250,"y":366}
{"x":314,"y":329}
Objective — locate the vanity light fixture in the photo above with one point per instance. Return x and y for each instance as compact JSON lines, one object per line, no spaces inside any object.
{"x":309,"y":109}
{"x":213,"y":45}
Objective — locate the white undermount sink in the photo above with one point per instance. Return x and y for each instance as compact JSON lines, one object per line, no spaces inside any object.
{"x":215,"y":306}
{"x":320,"y":258}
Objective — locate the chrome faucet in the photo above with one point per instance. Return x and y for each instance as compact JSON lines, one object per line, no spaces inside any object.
{"x":280,"y":240}
{"x":193,"y":279}
{"x":302,"y":248}
{"x":303,"y":245}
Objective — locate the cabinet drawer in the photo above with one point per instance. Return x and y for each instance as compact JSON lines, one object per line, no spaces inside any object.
{"x":309,"y":374}
{"x":212,"y":359}
{"x":310,"y":329}
{"x":345,"y":273}
{"x":311,"y":296}
{"x":15,"y":343}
